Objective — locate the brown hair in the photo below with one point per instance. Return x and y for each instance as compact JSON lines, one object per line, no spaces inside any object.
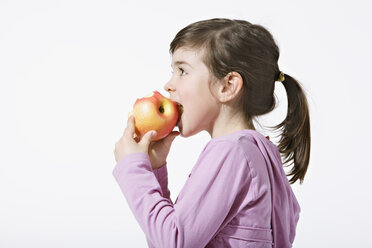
{"x":250,"y":50}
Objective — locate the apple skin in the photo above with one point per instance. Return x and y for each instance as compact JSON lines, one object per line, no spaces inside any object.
{"x":155,"y":112}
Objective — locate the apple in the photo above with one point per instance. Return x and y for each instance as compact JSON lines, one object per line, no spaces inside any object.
{"x":155,"y":112}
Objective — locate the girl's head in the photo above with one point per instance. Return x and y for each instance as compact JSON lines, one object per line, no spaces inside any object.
{"x":239,"y":59}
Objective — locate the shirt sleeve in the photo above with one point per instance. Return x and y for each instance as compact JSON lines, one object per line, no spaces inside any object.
{"x":203,"y":204}
{"x":161,"y":175}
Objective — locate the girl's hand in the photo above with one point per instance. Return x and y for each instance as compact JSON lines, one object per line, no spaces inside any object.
{"x":128,"y":144}
{"x":158,"y":150}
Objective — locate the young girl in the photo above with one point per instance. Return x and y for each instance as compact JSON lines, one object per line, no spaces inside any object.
{"x":237,"y":194}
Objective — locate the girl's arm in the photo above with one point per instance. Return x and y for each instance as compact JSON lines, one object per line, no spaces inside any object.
{"x":209,"y":199}
{"x":161,"y":175}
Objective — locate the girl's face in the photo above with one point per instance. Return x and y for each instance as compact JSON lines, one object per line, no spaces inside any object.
{"x":189,"y":86}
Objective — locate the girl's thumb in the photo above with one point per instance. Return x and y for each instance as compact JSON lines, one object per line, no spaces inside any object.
{"x":147,"y":138}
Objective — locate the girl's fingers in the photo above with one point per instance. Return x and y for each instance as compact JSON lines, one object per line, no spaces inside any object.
{"x":129,"y":130}
{"x":147,"y":138}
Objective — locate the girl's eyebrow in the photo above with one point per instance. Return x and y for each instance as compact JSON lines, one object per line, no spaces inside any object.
{"x":180,"y":62}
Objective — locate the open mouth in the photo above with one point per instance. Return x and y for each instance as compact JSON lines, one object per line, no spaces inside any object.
{"x":180,"y":109}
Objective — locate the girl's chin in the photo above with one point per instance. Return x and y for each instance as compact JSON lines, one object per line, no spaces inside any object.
{"x":181,"y":130}
{"x":184,"y":133}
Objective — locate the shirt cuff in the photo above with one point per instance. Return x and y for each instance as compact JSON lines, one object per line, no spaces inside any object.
{"x":162,"y":172}
{"x":141,"y":157}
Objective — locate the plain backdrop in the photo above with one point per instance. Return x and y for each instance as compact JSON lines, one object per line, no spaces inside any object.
{"x":70,"y":72}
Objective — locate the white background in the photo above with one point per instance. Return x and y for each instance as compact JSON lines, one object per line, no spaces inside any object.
{"x":71,"y":70}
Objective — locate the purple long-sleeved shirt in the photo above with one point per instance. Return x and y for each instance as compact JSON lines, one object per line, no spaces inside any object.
{"x":237,"y":195}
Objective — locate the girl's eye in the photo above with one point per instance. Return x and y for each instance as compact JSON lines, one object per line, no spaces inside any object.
{"x":182,"y":71}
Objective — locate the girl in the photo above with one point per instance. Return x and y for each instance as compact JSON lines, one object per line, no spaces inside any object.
{"x":237,"y":194}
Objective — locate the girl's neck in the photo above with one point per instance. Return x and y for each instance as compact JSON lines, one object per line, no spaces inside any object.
{"x":226,"y":124}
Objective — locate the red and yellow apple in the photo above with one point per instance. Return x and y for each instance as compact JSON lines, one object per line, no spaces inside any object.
{"x":155,"y":112}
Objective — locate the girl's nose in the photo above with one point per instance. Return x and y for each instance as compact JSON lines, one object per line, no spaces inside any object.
{"x":169,"y":86}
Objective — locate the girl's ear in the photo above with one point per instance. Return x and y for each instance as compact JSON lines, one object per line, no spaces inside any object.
{"x":230,"y":87}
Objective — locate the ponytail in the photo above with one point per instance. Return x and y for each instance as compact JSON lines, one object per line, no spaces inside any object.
{"x":295,"y":140}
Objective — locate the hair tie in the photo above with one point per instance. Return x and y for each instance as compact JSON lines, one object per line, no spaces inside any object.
{"x":281,"y":77}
